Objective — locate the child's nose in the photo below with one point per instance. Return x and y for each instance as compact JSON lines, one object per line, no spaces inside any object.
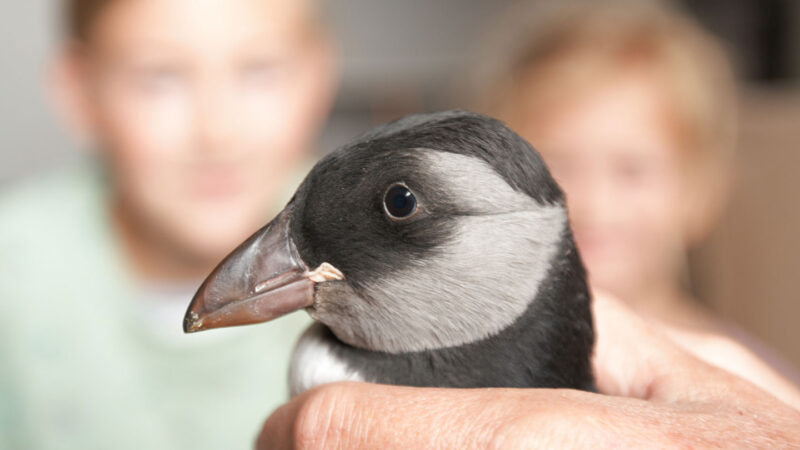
{"x":213,"y":116}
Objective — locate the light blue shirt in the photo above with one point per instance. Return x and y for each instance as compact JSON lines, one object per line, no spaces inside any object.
{"x":88,"y":362}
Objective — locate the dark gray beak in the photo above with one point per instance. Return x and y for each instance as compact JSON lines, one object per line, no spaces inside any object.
{"x":260,"y":280}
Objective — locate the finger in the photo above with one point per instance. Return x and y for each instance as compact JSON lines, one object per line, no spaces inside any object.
{"x":278,"y":430}
{"x":726,"y":353}
{"x":623,"y":349}
{"x":364,"y":415}
{"x":409,"y":417}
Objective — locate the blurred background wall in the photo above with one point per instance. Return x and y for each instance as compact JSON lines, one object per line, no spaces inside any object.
{"x":402,"y":56}
{"x":30,"y":136}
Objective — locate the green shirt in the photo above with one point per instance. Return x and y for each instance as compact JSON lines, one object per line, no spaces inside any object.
{"x":80,"y":368}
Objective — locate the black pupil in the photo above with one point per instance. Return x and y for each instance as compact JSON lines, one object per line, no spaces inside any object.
{"x":400,"y":202}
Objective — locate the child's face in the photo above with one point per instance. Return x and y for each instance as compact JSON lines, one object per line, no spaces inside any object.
{"x":616,"y":156}
{"x":202,"y":108}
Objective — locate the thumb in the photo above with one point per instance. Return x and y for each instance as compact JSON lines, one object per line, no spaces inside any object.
{"x":634,"y":358}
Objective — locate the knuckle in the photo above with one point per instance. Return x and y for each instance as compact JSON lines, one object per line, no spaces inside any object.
{"x":546,"y":428}
{"x":516,"y":433}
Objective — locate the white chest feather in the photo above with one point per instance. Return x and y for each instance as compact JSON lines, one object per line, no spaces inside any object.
{"x":314,"y":363}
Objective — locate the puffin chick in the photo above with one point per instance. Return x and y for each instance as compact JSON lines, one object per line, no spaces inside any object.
{"x":431,"y":251}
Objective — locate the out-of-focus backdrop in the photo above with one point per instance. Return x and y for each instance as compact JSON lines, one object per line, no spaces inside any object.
{"x":403,"y":56}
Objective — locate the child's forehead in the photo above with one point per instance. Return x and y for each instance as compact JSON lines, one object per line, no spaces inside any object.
{"x":203,"y":24}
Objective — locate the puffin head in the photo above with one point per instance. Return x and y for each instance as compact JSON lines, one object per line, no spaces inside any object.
{"x":432,"y":231}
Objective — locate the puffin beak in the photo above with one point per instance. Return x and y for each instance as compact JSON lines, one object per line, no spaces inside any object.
{"x":260,"y":280}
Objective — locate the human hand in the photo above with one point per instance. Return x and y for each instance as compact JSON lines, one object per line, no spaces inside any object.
{"x":656,"y":395}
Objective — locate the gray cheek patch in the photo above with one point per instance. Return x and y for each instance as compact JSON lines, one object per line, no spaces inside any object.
{"x":478,"y":283}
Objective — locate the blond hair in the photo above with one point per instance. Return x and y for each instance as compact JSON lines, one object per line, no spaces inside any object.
{"x":551,"y":54}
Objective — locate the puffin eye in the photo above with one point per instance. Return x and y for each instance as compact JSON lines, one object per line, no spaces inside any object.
{"x":399,"y":202}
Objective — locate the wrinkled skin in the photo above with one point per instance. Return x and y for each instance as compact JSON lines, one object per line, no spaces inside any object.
{"x":654,"y":394}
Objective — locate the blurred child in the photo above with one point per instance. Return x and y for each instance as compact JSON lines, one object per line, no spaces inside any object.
{"x":633,"y":108}
{"x":201,"y":114}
